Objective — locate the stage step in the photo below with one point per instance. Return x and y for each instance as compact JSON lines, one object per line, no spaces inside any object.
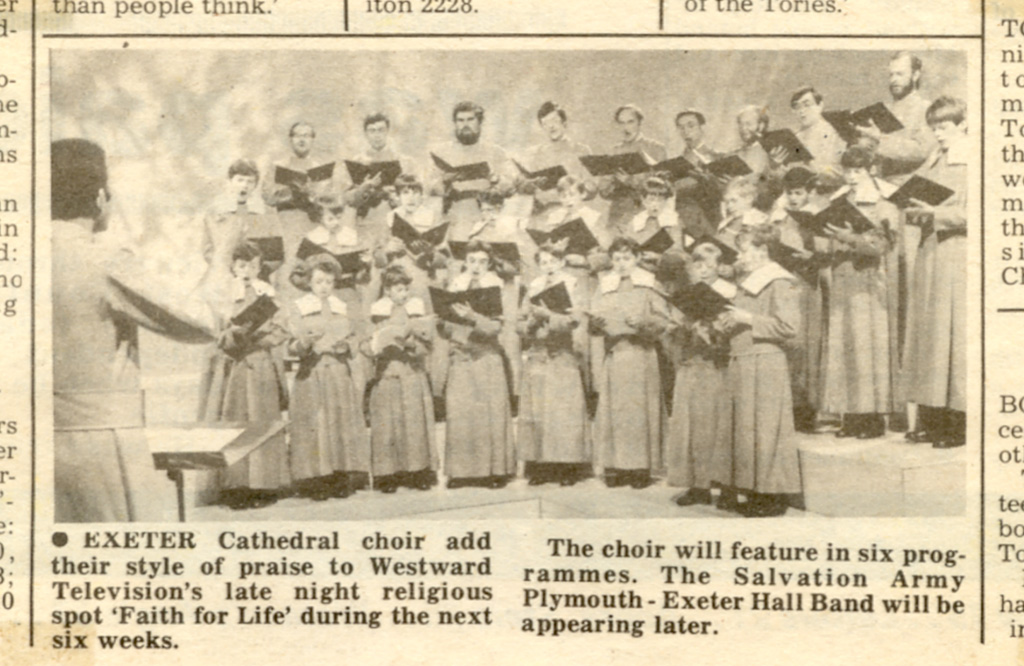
{"x":882,"y":477}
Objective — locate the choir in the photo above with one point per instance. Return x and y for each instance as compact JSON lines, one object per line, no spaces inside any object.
{"x":627,"y":315}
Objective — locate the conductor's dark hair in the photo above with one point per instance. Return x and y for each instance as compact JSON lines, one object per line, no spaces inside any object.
{"x":857,"y":157}
{"x":375,"y":118}
{"x":491,"y":197}
{"x":760,"y":235}
{"x":547,"y":108}
{"x":468,"y":107}
{"x":407,"y":181}
{"x":395,"y":274}
{"x":701,"y":120}
{"x":632,"y":108}
{"x":246,"y":251}
{"x":623,"y":244}
{"x":805,"y":91}
{"x":799,"y":177}
{"x":301,"y":123}
{"x":243,"y":168}
{"x":302,"y":274}
{"x":78,"y":171}
{"x":946,"y":108}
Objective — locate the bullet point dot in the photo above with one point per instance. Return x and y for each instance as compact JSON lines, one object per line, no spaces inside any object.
{"x":60,"y":539}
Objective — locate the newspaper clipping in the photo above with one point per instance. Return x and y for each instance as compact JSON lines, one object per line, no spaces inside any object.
{"x":471,"y":332}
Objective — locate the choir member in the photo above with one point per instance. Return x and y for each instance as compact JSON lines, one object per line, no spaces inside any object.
{"x":559,"y":149}
{"x":699,"y":412}
{"x":697,"y":195}
{"x":902,"y":152}
{"x":373,"y":200}
{"x":816,"y":133}
{"x":479,"y":444}
{"x":469,"y":148}
{"x":250,"y":387}
{"x":622,"y":190}
{"x":402,"y":447}
{"x":808,"y":256}
{"x":936,"y":342}
{"x":552,"y":432}
{"x":632,"y":316}
{"x":751,"y":123}
{"x":327,"y":426}
{"x":738,"y":211}
{"x":657,"y":213}
{"x":103,"y":468}
{"x":858,"y":357}
{"x":757,"y":455}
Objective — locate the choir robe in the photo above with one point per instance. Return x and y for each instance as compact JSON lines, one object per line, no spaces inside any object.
{"x":460,"y":206}
{"x":630,"y":419}
{"x":103,"y":468}
{"x":401,"y":406}
{"x":295,"y":221}
{"x":373,"y":205}
{"x":328,"y":430}
{"x":552,"y":426}
{"x":902,"y":152}
{"x":624,"y":197}
{"x":225,"y":226}
{"x":937,"y":336}
{"x":249,"y":386}
{"x":698,"y":196}
{"x":425,"y":273}
{"x":758,"y":451}
{"x":700,"y":400}
{"x":859,"y":352}
{"x":584,"y":270}
{"x":806,"y":348}
{"x":565,"y":153}
{"x":825,"y":145}
{"x":502,"y":230}
{"x":479,"y":439}
{"x":764,"y":174}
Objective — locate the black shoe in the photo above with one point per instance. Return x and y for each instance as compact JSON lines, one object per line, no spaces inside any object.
{"x":497,"y":482}
{"x":614,"y":479}
{"x":694,"y":496}
{"x":872,"y":432}
{"x":454,"y":484}
{"x":846,"y":431}
{"x":566,"y":481}
{"x":764,"y":506}
{"x":537,"y":481}
{"x":640,"y":481}
{"x":919,"y":437}
{"x":728,"y":501}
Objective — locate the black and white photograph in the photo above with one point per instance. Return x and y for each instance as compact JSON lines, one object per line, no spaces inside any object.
{"x":365,"y":284}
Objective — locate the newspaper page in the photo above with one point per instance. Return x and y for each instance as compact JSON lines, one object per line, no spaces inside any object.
{"x":466,"y":331}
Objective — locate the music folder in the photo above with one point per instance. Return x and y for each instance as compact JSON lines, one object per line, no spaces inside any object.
{"x":547,"y":179}
{"x":485,"y":301}
{"x":474,"y":171}
{"x":732,"y":166}
{"x":922,"y":189}
{"x":700,"y":302}
{"x":555,"y":298}
{"x":580,"y":239}
{"x":660,"y":241}
{"x":256,"y":313}
{"x":797,"y":151}
{"x":350,"y":262}
{"x":508,"y":252}
{"x":271,"y":247}
{"x":408,"y":234}
{"x":388,"y":171}
{"x":609,"y":165}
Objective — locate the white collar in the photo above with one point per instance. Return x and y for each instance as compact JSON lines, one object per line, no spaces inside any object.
{"x":957,"y":154}
{"x":311,"y":304}
{"x":561,"y":215}
{"x":611,"y":280}
{"x":227,"y":203}
{"x":538,"y":284}
{"x":260,"y":288}
{"x":385,"y":306}
{"x":724,"y":288}
{"x":755,"y":283}
{"x":461,"y":281}
{"x":666,"y":218}
{"x":345,"y":236}
{"x":750,"y":218}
